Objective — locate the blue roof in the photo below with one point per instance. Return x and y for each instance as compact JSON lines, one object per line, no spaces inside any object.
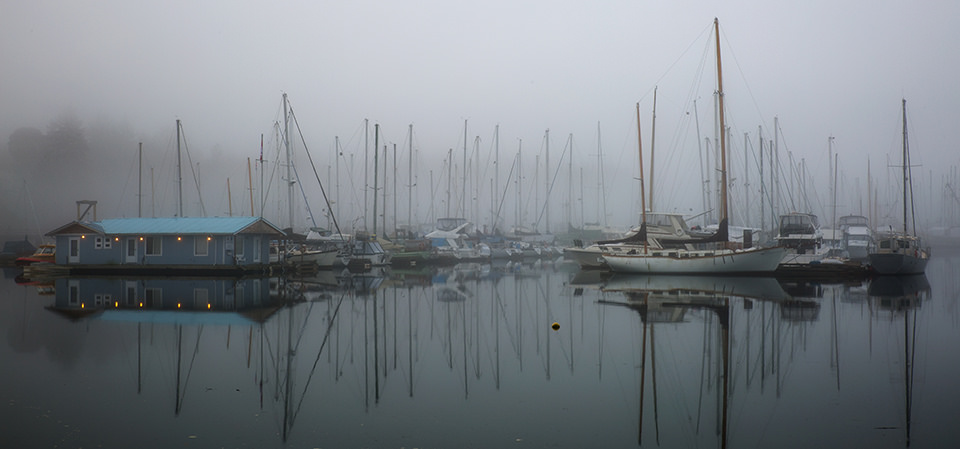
{"x":176,"y":225}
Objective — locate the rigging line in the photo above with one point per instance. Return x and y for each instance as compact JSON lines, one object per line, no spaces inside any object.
{"x":303,"y":193}
{"x":196,"y":179}
{"x":906,"y":145}
{"x":312,"y":165}
{"x":303,"y":327}
{"x":196,"y":350}
{"x":354,"y":191}
{"x":323,"y":344}
{"x":706,"y":29}
{"x":505,"y":189}
{"x":546,"y":303}
{"x":726,"y":40}
{"x":490,"y":154}
{"x":679,"y":136}
{"x":276,"y":164}
{"x":33,"y":207}
{"x":552,"y":182}
{"x":514,"y":342}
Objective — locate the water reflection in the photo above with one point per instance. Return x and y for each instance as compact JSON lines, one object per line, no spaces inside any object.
{"x":417,"y":358}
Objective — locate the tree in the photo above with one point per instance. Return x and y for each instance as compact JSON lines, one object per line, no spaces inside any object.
{"x":65,"y":138}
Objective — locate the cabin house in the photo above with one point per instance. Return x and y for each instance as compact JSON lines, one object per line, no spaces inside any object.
{"x":153,"y":243}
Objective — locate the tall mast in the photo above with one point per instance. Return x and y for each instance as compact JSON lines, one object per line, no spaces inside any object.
{"x":763,"y":211}
{"x":653,"y":139}
{"x":250,"y":186}
{"x":870,"y":195}
{"x":261,"y":175}
{"x":410,"y":180}
{"x":775,"y":187}
{"x":386,"y":164}
{"x":643,"y":194}
{"x":376,"y":166}
{"x":570,"y":182}
{"x":546,"y":180}
{"x":723,"y":134}
{"x":449,"y":178}
{"x":746,"y":180}
{"x":337,"y":154}
{"x":476,"y":179}
{"x":140,"y":183}
{"x":905,"y":166}
{"x":366,"y":165}
{"x":834,"y":160}
{"x":600,"y":188}
{"x":179,"y":175}
{"x":395,"y":191}
{"x":833,"y":186}
{"x":286,"y":142}
{"x":496,"y":173}
{"x":519,"y":221}
{"x":463,"y":187}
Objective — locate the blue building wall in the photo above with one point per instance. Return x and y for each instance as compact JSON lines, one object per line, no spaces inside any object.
{"x":93,"y":249}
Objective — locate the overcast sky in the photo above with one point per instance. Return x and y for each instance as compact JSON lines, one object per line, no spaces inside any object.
{"x":825,"y":68}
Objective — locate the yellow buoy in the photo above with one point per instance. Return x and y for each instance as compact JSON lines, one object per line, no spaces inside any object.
{"x":555,"y":326}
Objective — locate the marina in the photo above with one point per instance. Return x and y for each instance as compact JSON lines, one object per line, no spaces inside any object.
{"x":468,"y":356}
{"x":509,"y":224}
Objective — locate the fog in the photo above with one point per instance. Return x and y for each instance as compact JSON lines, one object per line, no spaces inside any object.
{"x":85,"y":83}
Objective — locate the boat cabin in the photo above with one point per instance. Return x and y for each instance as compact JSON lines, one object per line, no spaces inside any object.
{"x":898,"y":243}
{"x":800,"y":231}
{"x":45,"y":253}
{"x":178,"y":241}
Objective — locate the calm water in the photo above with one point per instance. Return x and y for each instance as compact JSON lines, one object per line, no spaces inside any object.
{"x":468,"y":358}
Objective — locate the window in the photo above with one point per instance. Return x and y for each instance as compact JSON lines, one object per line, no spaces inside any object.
{"x":200,"y":245}
{"x":74,"y":294}
{"x":102,"y":243}
{"x":154,"y":246}
{"x":153,"y":296}
{"x":238,"y":247}
{"x":131,"y":293}
{"x":102,"y":299}
{"x":201,"y":298}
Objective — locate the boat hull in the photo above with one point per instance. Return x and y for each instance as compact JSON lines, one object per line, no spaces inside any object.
{"x":898,"y":263}
{"x":323,"y":259}
{"x":588,"y":258}
{"x":747,"y":261}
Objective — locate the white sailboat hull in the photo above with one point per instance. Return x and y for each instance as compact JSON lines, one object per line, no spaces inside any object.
{"x":763,"y":260}
{"x":588,"y":257}
{"x":323,"y":258}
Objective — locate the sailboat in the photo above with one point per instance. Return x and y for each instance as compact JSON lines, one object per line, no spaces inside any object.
{"x":901,"y":252}
{"x":711,"y":254}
